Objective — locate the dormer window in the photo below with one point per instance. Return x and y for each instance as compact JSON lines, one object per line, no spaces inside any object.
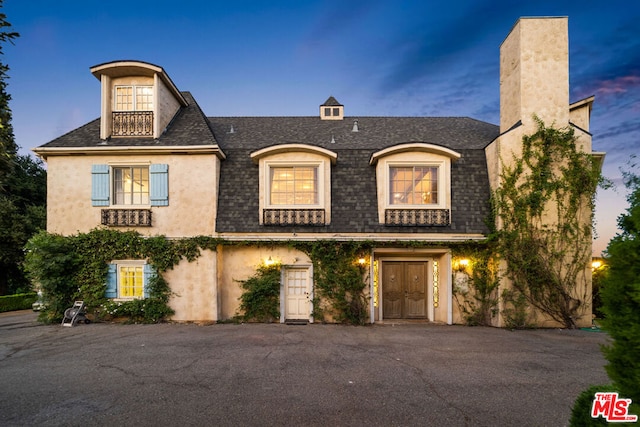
{"x":138,"y":99}
{"x":133,"y":98}
{"x":133,"y":111}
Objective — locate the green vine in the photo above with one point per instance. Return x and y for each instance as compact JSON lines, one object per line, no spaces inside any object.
{"x":338,"y":280}
{"x":75,"y":267}
{"x":260,"y":300}
{"x":69,"y":268}
{"x":477,"y":294}
{"x":545,"y":207}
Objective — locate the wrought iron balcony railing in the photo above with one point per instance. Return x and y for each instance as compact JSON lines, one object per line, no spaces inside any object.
{"x":127,"y":217}
{"x":132,"y":123}
{"x":433,"y":217}
{"x":293,"y":217}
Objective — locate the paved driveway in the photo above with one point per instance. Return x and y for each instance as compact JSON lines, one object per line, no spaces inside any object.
{"x":263,"y":375}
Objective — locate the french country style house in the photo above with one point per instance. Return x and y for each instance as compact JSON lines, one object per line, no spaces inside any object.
{"x":154,"y":162}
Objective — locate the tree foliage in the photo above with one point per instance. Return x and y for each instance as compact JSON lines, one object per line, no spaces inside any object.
{"x":22,"y":188}
{"x":621,"y":298}
{"x":544,"y":206}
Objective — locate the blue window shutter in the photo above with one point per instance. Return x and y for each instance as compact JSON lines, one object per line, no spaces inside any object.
{"x":112,"y":282}
{"x":159,"y":191}
{"x":148,"y":274}
{"x":100,"y":185}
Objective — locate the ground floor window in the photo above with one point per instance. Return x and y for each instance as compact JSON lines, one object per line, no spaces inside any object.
{"x":128,"y":279}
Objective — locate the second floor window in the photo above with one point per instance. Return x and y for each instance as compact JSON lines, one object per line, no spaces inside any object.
{"x":413,"y":185}
{"x":134,"y":98}
{"x":294,"y":185}
{"x":131,"y":185}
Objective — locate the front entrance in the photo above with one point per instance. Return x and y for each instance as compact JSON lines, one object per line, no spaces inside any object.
{"x":297,"y":293}
{"x":404,"y":289}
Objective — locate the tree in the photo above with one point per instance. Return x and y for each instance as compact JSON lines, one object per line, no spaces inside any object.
{"x":621,"y":298}
{"x":545,"y":207}
{"x":8,"y":147}
{"x":22,"y":188}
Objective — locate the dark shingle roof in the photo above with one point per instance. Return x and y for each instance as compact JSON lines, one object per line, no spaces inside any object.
{"x":354,"y":207}
{"x":331,"y":102}
{"x":189,"y":127}
{"x":374,"y":133}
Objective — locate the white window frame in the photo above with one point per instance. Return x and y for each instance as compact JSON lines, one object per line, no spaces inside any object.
{"x":129,"y":263}
{"x":134,"y":96}
{"x":443,"y":192}
{"x":112,"y":185}
{"x":319,"y":167}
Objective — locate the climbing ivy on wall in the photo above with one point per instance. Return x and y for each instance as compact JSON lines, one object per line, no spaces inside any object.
{"x":545,"y":208}
{"x":69,"y":268}
{"x":260,"y":300}
{"x":475,"y":285}
{"x":339,"y":280}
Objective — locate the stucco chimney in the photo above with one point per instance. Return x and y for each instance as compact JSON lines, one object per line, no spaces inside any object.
{"x":534,"y":73}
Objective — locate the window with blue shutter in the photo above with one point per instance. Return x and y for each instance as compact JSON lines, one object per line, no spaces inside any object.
{"x":100,"y":185}
{"x":159,"y":185}
{"x":128,"y":279}
{"x":112,"y":282}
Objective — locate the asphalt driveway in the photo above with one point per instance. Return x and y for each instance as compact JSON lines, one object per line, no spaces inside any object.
{"x":273,"y":375}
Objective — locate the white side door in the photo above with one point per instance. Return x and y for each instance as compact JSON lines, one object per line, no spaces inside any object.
{"x":297,"y":293}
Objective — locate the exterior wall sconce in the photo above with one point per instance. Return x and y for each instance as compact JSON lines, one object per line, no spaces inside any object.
{"x":362,"y":261}
{"x":269,"y":262}
{"x":461,"y":264}
{"x":596,"y":264}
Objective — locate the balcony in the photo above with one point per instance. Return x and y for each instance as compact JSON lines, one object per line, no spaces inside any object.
{"x":126,"y":217}
{"x":132,"y":123}
{"x":409,"y":217}
{"x":293,"y":217}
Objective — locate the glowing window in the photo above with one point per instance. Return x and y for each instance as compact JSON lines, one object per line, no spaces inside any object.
{"x":134,"y":98}
{"x":413,"y":185}
{"x":131,"y":185}
{"x":131,"y":281}
{"x":295,"y":185}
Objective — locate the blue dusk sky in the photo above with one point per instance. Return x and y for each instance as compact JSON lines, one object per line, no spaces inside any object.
{"x":285,"y":58}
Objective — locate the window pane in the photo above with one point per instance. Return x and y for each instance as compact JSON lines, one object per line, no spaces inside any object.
{"x":131,"y":281}
{"x":131,"y":186}
{"x":144,"y":98}
{"x":413,"y":185}
{"x":124,"y":98}
{"x":295,"y":185}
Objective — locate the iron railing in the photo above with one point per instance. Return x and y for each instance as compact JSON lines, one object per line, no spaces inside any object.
{"x":132,"y":123}
{"x":433,"y":217}
{"x":293,"y":217}
{"x":126,"y":217}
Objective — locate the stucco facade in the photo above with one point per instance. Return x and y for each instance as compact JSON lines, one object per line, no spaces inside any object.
{"x":370,"y":179}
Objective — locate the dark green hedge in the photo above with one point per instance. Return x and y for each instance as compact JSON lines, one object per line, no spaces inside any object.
{"x":17,"y":301}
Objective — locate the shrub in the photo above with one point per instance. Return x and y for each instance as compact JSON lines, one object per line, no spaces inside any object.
{"x":17,"y":301}
{"x":260,"y":300}
{"x":581,"y":411}
{"x":621,"y":299}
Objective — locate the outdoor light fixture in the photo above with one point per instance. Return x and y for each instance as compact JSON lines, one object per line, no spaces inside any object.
{"x":269,"y":262}
{"x":461,"y":264}
{"x":596,"y":264}
{"x":361,"y":261}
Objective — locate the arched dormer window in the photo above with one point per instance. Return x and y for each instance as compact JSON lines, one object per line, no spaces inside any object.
{"x":295,"y":184}
{"x":414,"y":184}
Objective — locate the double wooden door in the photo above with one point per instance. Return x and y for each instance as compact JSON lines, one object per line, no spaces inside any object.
{"x":404,"y":289}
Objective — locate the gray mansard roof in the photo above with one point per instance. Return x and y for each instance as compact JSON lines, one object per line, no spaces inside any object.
{"x":353,"y":180}
{"x":354,"y":206}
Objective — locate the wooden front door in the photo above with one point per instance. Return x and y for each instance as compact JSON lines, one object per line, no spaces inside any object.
{"x":297,"y":293}
{"x":404,"y":289}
